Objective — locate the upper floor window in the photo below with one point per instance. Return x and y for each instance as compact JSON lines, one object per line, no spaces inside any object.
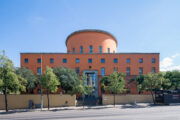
{"x":153,"y":60}
{"x":128,"y":60}
{"x":115,"y":69}
{"x":102,"y":60}
{"x":108,"y":50}
{"x":39,"y":71}
{"x":100,"y":49}
{"x":26,"y":60}
{"x":81,"y":49}
{"x":77,"y":60}
{"x":73,"y":50}
{"x":140,"y":71}
{"x":51,"y":60}
{"x":115,"y":60}
{"x":89,"y":60}
{"x":64,"y":60}
{"x":153,"y":70}
{"x":102,"y":71}
{"x":140,"y":60}
{"x":77,"y":70}
{"x":128,"y":71}
{"x":39,"y":60}
{"x":90,"y":49}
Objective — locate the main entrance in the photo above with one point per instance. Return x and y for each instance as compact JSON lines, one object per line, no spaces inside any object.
{"x":92,"y":80}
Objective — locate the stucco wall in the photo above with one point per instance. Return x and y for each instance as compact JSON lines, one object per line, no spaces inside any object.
{"x":108,"y":99}
{"x":22,"y":101}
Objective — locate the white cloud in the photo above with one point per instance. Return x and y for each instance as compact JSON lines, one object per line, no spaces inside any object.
{"x":167,"y":64}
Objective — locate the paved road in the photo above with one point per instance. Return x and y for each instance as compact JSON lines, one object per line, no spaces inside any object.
{"x":123,"y":113}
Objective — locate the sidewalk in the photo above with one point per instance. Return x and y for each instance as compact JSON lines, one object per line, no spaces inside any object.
{"x":122,"y":106}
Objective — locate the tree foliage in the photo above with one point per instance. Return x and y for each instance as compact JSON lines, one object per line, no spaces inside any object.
{"x":9,"y":81}
{"x":68,"y":78}
{"x":29,"y":76}
{"x":114,"y":83}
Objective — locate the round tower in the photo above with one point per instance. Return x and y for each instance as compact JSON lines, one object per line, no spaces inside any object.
{"x":91,"y":41}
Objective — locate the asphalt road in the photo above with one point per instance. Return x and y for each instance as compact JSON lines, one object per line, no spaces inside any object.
{"x":124,"y":113}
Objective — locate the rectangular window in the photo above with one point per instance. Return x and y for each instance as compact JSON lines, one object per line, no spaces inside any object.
{"x":115,"y":69}
{"x":108,"y":50}
{"x":39,"y":60}
{"x":128,"y":60}
{"x":51,"y":60}
{"x":77,"y":60}
{"x":128,"y":71}
{"x":64,"y":60}
{"x":102,"y":60}
{"x":153,"y":70}
{"x":100,"y":49}
{"x":26,"y":60}
{"x":102,"y":71}
{"x":115,"y":60}
{"x":89,"y":60}
{"x":73,"y":50}
{"x":77,"y":70}
{"x":140,"y":71}
{"x":39,"y":71}
{"x":140,"y":60}
{"x":81,"y":49}
{"x":153,"y":60}
{"x":90,"y":49}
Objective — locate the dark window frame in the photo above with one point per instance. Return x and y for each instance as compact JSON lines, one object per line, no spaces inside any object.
{"x":77,"y":60}
{"x":51,"y":60}
{"x":64,"y":60}
{"x":39,"y":60}
{"x":115,"y":60}
{"x":26,"y":60}
{"x":103,"y":59}
{"x":90,"y":60}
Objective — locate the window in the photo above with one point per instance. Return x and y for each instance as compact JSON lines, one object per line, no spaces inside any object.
{"x":140,"y":71}
{"x":102,"y":60}
{"x":153,"y":70}
{"x":102,"y":71}
{"x":39,"y":71}
{"x":115,"y":60}
{"x":128,"y":60}
{"x":39,"y":60}
{"x":108,"y":50}
{"x":26,"y":60}
{"x":115,"y":69}
{"x":77,"y":70}
{"x":64,"y":60}
{"x":153,"y":60}
{"x":77,"y":60}
{"x":100,"y":49}
{"x":51,"y":60}
{"x":73,"y":50}
{"x":90,"y":49}
{"x":81,"y":49}
{"x":140,"y":60}
{"x":128,"y":71}
{"x":89,"y":60}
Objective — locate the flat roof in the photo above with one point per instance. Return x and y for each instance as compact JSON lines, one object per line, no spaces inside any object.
{"x":82,"y":53}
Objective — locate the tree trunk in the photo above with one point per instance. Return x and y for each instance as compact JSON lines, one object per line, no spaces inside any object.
{"x":153,"y":97}
{"x":83,"y":102}
{"x":41,"y":98}
{"x":48,"y":99}
{"x":6,"y":102}
{"x":114,"y":99}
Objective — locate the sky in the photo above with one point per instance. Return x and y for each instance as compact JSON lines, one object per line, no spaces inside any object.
{"x":138,"y":25}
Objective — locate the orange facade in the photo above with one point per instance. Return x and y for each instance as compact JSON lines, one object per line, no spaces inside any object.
{"x":94,"y":51}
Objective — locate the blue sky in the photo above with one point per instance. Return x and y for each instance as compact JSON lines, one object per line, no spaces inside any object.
{"x":138,"y":25}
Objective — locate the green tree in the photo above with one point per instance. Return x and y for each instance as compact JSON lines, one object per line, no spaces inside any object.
{"x":9,"y":81}
{"x":174,"y":77}
{"x":49,"y":82}
{"x":152,"y":82}
{"x":67,"y":77}
{"x":29,"y":76}
{"x":114,"y":83}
